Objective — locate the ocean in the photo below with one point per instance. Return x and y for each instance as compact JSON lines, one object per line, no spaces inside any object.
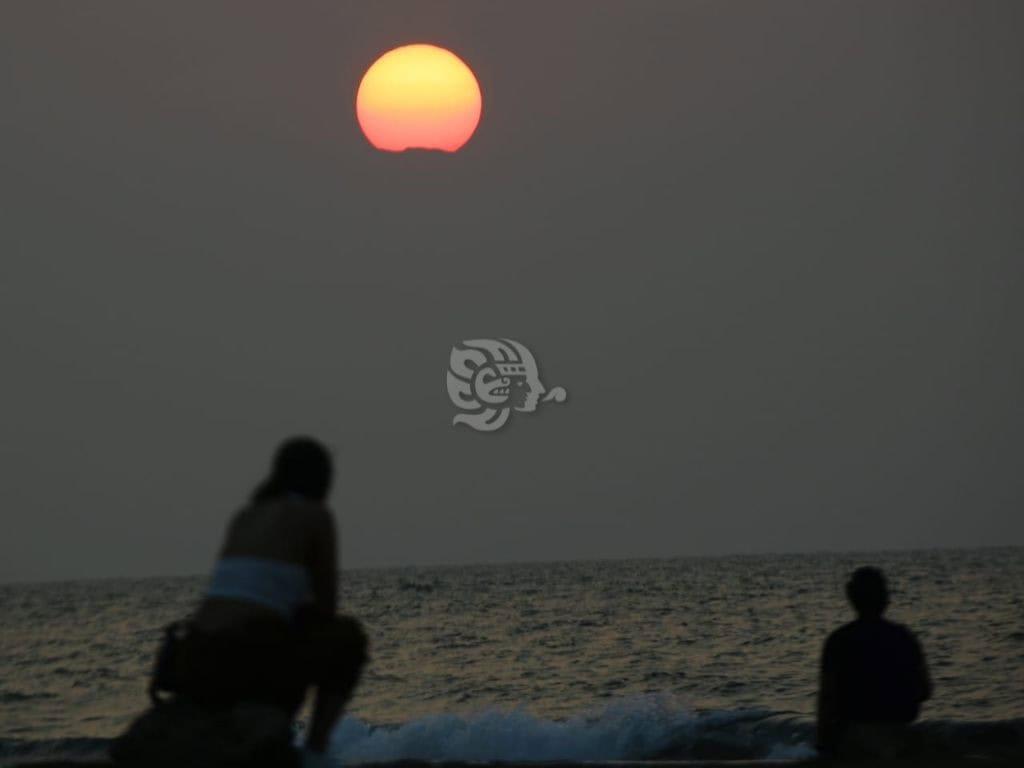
{"x":608,"y":660}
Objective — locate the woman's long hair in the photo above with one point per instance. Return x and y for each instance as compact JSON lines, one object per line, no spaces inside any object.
{"x":302,"y":466}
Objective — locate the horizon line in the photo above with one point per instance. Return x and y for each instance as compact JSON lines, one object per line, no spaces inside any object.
{"x":4,"y":582}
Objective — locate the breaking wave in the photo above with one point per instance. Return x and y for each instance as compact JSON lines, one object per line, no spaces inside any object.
{"x":652,"y":727}
{"x":641,"y":728}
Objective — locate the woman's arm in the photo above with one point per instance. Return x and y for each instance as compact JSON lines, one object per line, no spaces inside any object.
{"x":324,"y":563}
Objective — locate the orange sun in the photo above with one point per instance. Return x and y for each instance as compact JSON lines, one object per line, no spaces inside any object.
{"x":418,"y":97}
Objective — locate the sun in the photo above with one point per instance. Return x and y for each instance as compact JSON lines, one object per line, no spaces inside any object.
{"x":418,"y":97}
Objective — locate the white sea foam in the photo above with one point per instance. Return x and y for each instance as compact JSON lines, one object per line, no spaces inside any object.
{"x":633,"y":728}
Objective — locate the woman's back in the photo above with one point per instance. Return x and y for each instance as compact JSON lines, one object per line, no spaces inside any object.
{"x":278,"y":555}
{"x":277,"y":529}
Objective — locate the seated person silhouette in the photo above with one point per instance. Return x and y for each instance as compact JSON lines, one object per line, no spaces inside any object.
{"x":873,"y":678}
{"x":267,"y":628}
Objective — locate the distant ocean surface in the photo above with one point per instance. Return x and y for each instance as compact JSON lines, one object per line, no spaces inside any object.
{"x":709,"y":657}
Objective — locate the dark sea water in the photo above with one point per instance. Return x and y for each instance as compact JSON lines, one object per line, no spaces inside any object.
{"x":555,"y":661}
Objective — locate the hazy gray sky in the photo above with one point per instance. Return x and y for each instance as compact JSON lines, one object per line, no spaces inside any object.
{"x":772,"y":250}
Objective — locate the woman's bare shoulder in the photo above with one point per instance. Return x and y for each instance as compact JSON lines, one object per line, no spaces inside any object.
{"x":311,"y":516}
{"x":277,"y":528}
